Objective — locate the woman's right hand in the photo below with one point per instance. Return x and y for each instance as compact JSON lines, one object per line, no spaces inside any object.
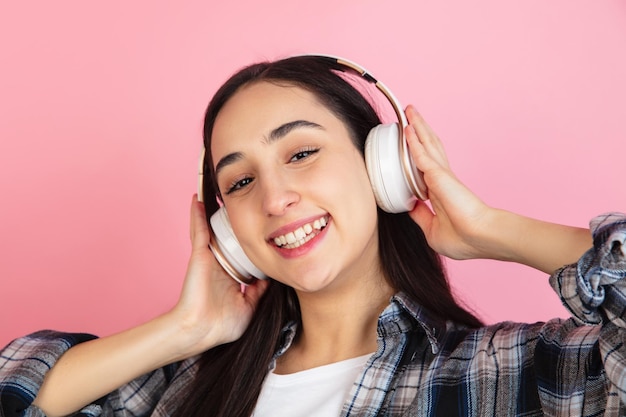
{"x":213,"y":308}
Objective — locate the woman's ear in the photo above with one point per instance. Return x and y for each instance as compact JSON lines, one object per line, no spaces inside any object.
{"x":219,"y":200}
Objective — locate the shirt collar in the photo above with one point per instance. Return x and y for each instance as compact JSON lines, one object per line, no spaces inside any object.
{"x":404,"y":315}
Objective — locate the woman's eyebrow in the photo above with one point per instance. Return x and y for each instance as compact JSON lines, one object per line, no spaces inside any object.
{"x":276,"y":134}
{"x":284,"y":129}
{"x":227,"y":160}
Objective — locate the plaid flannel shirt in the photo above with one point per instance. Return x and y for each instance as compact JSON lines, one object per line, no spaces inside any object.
{"x":425,"y":366}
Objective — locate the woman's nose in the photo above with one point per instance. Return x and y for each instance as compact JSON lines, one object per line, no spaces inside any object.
{"x":278,"y":196}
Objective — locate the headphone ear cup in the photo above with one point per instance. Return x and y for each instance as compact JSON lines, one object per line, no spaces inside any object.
{"x":385,"y":169}
{"x":228,"y":251}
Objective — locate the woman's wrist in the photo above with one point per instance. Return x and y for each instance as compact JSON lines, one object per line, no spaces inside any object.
{"x":190,"y":335}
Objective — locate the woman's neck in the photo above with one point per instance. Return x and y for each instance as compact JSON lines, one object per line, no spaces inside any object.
{"x":337,"y":324}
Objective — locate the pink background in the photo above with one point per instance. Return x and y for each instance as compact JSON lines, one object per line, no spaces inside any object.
{"x":100,"y":117}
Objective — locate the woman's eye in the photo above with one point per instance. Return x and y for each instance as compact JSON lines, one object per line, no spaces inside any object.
{"x":305,"y":153}
{"x":239,"y":184}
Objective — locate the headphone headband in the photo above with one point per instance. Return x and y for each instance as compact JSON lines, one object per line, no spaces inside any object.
{"x":365,"y":74}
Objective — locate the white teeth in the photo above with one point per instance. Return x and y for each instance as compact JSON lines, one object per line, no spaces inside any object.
{"x":318,"y":224}
{"x":301,"y":235}
{"x":291,"y":238}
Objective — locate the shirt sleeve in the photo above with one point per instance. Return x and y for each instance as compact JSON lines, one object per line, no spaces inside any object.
{"x":25,"y":362}
{"x":594,"y":291}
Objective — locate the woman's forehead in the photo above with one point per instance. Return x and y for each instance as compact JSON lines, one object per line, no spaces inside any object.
{"x":267,"y":98}
{"x":257,"y":109}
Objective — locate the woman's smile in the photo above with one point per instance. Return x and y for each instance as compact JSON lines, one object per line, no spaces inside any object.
{"x":301,"y":235}
{"x":302,"y":239}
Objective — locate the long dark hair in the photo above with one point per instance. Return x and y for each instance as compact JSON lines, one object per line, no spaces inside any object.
{"x":230,"y":376}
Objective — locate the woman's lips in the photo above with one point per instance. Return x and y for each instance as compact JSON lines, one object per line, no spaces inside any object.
{"x":301,"y":235}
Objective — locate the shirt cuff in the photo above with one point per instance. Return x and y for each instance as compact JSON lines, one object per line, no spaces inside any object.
{"x":597,"y":279}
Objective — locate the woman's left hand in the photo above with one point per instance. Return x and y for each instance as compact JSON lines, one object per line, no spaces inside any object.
{"x":456,"y":221}
{"x":460,"y":225}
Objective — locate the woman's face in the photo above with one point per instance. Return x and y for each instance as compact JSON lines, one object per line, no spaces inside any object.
{"x":295,"y":188}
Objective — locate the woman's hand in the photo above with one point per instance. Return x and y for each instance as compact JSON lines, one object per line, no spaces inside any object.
{"x":461,"y":226}
{"x":212,"y":309}
{"x":454,"y":225}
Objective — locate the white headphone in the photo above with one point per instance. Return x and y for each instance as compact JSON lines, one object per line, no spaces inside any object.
{"x":395,"y":180}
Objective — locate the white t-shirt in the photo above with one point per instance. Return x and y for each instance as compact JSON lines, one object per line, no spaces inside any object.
{"x":314,"y":392}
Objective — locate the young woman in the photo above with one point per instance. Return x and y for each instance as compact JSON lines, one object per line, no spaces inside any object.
{"x":357,"y":317}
